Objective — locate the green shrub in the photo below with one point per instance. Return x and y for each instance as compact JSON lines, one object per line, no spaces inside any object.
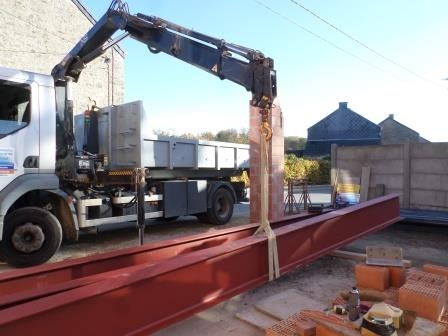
{"x":316,"y":171}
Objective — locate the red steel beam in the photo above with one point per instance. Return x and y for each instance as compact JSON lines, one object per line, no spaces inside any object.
{"x":141,"y":299}
{"x":34,"y":282}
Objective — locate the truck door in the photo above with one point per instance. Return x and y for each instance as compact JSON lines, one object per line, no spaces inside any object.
{"x":19,"y":129}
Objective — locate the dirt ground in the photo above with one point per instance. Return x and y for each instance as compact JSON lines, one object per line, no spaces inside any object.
{"x":319,"y":280}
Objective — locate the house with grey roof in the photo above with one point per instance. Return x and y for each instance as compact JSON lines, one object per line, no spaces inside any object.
{"x":343,"y":127}
{"x":394,"y":132}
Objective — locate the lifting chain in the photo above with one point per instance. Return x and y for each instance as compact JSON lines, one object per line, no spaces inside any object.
{"x":265,"y":137}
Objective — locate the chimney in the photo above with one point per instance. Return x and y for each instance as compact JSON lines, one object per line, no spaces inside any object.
{"x":391,"y":116}
{"x":343,"y":105}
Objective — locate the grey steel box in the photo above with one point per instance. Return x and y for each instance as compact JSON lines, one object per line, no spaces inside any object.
{"x":124,"y":136}
{"x":184,"y":197}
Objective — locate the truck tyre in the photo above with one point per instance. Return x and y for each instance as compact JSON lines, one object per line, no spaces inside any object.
{"x":31,"y":236}
{"x":221,"y":209}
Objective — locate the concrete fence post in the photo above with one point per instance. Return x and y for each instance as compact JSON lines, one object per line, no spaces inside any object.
{"x":406,"y":199}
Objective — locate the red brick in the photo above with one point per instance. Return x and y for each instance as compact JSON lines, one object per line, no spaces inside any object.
{"x":428,"y":302}
{"x":322,"y":331}
{"x":306,"y":328}
{"x":397,"y":276}
{"x":436,"y":269}
{"x":429,"y":279}
{"x":372,"y":277}
{"x":425,"y":293}
{"x":288,"y":327}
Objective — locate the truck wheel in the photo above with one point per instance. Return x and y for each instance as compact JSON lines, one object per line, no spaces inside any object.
{"x":31,"y":236}
{"x":222,"y":207}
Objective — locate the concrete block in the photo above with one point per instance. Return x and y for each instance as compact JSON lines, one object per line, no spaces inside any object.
{"x":372,"y":277}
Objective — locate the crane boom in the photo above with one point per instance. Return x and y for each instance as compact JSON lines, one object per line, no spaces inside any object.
{"x":244,"y":66}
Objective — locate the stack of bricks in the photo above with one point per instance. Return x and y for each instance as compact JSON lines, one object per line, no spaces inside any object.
{"x":379,"y":277}
{"x":294,"y":325}
{"x":425,"y":293}
{"x":275,"y":164}
{"x":436,"y":269}
{"x":313,"y":323}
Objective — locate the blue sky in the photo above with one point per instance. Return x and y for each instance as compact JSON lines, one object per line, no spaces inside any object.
{"x":314,"y":73}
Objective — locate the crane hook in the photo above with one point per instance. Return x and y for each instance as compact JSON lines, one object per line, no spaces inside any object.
{"x":265,"y":128}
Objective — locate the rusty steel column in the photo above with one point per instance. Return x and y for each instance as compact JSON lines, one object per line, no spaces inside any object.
{"x":275,"y":164}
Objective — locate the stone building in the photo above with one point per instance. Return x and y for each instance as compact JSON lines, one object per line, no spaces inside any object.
{"x":37,"y":34}
{"x":393,"y":132}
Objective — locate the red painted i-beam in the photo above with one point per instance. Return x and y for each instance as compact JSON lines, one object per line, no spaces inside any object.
{"x":143,"y":298}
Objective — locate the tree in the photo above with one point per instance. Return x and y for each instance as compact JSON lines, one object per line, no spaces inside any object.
{"x":232,"y":135}
{"x":162,"y":132}
{"x":228,"y":135}
{"x":294,"y":143}
{"x":207,"y":136}
{"x":189,"y":136}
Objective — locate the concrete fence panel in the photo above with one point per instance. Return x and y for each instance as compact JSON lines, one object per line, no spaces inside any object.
{"x":418,"y":172}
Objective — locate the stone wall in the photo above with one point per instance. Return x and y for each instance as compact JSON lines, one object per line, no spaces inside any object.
{"x":417,"y":172}
{"x":36,"y":35}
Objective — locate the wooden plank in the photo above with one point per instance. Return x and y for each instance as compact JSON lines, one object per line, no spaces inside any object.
{"x":365,"y":183}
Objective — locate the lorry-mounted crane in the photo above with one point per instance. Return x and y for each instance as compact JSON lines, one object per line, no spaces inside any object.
{"x":53,"y":189}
